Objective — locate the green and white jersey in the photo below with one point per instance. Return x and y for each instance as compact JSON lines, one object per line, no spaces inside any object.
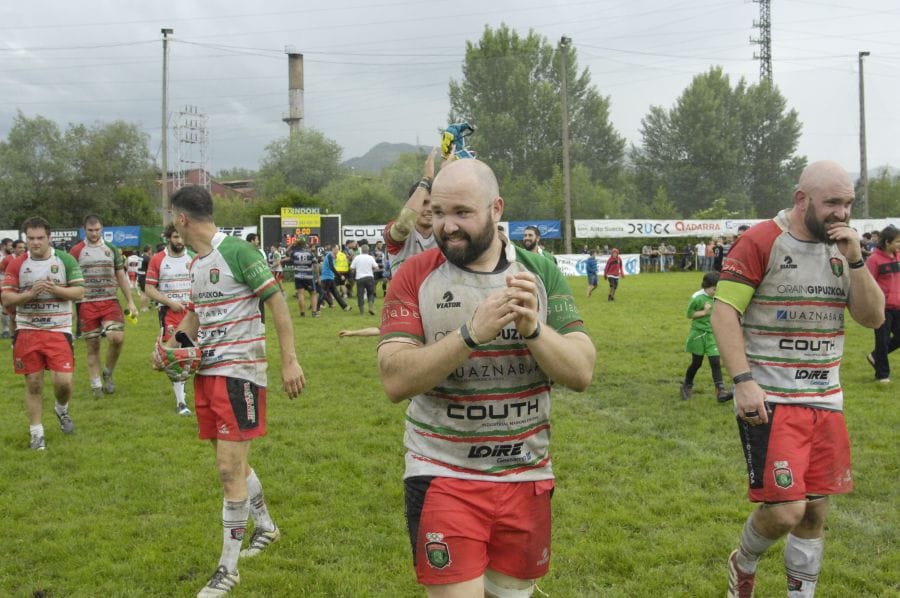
{"x":490,"y":418}
{"x":226,"y":287}
{"x":699,"y":301}
{"x":99,"y":264}
{"x":46,"y":311}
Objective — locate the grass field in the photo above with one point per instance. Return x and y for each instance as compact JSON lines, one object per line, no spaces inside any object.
{"x":650,"y":492}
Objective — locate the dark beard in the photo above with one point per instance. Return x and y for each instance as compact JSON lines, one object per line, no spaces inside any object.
{"x":817,"y":229}
{"x":528,"y":244}
{"x":473,"y":249}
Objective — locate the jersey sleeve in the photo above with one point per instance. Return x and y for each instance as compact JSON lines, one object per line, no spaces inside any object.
{"x":76,"y":249}
{"x":118,"y":260}
{"x":745,"y":265}
{"x":74,"y":276}
{"x":401,"y":318}
{"x":562,"y":312}
{"x":393,"y":247}
{"x":255,"y":271}
{"x":153,"y":269}
{"x":694,"y":305}
{"x":11,"y":279}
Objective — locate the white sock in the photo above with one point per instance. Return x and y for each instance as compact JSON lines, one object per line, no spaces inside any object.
{"x":234,"y":524}
{"x":178,"y":387}
{"x":258,"y":508}
{"x":802,"y":562}
{"x":61,"y":409}
{"x":752,"y":546}
{"x":37,"y":430}
{"x":96,"y":383}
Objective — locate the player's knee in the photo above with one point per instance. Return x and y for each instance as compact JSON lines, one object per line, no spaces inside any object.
{"x":814,"y":515}
{"x":783,"y":517}
{"x":497,"y":585}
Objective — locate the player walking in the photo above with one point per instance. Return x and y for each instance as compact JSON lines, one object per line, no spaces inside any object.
{"x":41,"y":285}
{"x":99,"y":312}
{"x":169,"y":284}
{"x":228,"y":279}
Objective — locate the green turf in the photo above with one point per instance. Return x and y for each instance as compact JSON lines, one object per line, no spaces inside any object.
{"x":650,"y":489}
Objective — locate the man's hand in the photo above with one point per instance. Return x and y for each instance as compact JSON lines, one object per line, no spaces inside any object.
{"x":750,"y":403}
{"x":176,"y":306}
{"x":846,"y":239}
{"x":523,"y":301}
{"x":492,"y":315}
{"x":292,"y":379}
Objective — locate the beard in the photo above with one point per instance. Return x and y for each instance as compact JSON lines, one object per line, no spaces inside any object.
{"x":528,"y":244}
{"x":176,"y":247}
{"x":819,"y":229}
{"x":472,"y":250}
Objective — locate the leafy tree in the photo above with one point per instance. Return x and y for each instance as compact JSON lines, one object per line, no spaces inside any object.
{"x":238,"y":173}
{"x":720,"y":141}
{"x":362,"y":200}
{"x":884,"y":195}
{"x":104,"y":168}
{"x":511,"y":92}
{"x":304,"y":162}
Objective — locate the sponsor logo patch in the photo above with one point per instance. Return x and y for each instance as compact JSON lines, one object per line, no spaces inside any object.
{"x":837,"y":266}
{"x":788,"y":263}
{"x":214,"y":275}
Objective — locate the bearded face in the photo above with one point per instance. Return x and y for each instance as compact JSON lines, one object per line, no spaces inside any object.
{"x":461,"y":248}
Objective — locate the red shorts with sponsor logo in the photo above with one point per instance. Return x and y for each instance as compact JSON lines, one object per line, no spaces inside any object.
{"x":229,"y":408}
{"x":92,"y":314}
{"x":459,"y":528}
{"x":39,"y":350}
{"x":169,"y":321}
{"x":801,"y":452}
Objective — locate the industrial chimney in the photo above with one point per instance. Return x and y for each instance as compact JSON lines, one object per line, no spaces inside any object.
{"x":294,"y":116}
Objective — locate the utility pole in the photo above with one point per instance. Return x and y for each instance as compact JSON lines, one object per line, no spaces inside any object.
{"x":567,"y":199}
{"x":164,"y":167}
{"x":863,"y":165}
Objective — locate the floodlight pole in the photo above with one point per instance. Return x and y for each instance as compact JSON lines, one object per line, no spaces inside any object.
{"x":567,"y":197}
{"x":164,"y":158}
{"x":863,"y":163}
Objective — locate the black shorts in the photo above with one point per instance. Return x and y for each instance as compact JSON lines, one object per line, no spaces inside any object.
{"x":306,"y":283}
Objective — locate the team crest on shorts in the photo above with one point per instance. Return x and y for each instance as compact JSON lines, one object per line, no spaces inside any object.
{"x":837,"y":266}
{"x":214,"y":275}
{"x":784,"y":478}
{"x":436,"y":550}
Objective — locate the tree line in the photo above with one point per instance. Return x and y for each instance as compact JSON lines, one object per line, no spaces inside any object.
{"x":723,"y":149}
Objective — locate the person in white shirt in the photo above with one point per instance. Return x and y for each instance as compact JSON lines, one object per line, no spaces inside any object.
{"x":700,"y":255}
{"x":364,"y":266}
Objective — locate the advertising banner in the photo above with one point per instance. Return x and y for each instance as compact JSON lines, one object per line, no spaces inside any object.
{"x":550,"y":229}
{"x":574,"y":264}
{"x":358,"y":232}
{"x":609,"y":229}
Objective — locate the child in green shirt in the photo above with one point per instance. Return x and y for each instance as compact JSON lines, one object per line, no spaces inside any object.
{"x":700,"y":340}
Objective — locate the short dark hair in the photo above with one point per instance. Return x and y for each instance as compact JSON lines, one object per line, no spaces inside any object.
{"x":92,"y":219}
{"x":17,"y":241}
{"x":195,"y":201}
{"x":536,"y":230}
{"x":170,"y":230}
{"x":37,"y":222}
{"x":251,"y":237}
{"x":710,"y":279}
{"x":887,"y":236}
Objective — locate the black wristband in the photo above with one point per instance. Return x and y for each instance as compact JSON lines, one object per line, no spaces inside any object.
{"x":745,"y":377}
{"x":425,"y":184}
{"x":857,"y":264}
{"x":467,"y":338}
{"x":535,"y":334}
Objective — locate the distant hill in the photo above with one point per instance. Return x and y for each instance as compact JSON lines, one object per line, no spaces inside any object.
{"x":383,"y":155}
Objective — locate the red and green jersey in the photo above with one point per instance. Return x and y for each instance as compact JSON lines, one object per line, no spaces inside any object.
{"x":490,"y":418}
{"x":226,"y":287}
{"x":99,"y":264}
{"x":792,"y":295}
{"x":171,"y":276}
{"x":46,"y":311}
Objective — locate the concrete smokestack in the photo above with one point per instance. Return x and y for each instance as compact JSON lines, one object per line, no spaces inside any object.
{"x":294,"y":116}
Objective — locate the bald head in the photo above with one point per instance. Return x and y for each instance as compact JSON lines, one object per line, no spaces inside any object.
{"x":825,"y":178}
{"x":473,"y":177}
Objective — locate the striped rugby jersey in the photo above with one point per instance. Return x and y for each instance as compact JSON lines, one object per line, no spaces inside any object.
{"x":490,"y":418}
{"x":792,"y":295}
{"x":46,"y":311}
{"x":170,"y":275}
{"x":399,"y":252}
{"x":99,"y":264}
{"x":226,"y":287}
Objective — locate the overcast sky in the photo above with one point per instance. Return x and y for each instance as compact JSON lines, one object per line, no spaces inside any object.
{"x":379,"y":71}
